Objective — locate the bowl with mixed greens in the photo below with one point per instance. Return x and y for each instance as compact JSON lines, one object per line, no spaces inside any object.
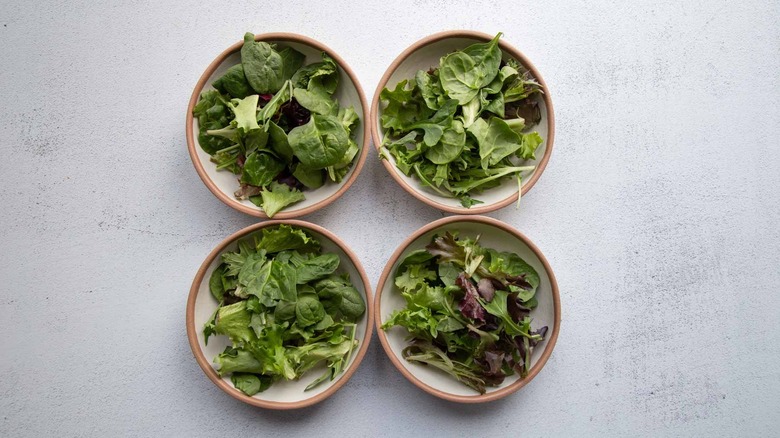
{"x":280,"y":314}
{"x":275,"y":126}
{"x":463,"y":122}
{"x":468,"y":309}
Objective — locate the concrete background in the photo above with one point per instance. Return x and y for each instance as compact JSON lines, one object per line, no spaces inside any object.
{"x":659,"y":212}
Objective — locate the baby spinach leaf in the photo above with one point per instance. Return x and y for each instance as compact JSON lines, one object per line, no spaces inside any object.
{"x":320,"y":143}
{"x":340,"y":299}
{"x":262,"y":65}
{"x":316,"y":268}
{"x":292,"y":60}
{"x":216,"y":285}
{"x":250,"y":384}
{"x":212,"y":113}
{"x":460,"y":77}
{"x":487,"y":58}
{"x":277,"y":196}
{"x":308,"y":310}
{"x":496,"y":140}
{"x":316,"y":101}
{"x":450,"y":145}
{"x":260,"y":169}
{"x":277,"y":140}
{"x":234,"y":83}
{"x":284,"y":311}
{"x":311,"y":178}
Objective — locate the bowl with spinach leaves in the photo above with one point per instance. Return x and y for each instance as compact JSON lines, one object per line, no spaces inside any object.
{"x":280,"y":314}
{"x":463,"y":122}
{"x":468,"y":309}
{"x":275,"y":126}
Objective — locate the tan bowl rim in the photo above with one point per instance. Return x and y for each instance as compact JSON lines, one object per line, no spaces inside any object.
{"x":192,"y":147}
{"x":205,"y":365}
{"x":490,"y":396}
{"x":506,"y":48}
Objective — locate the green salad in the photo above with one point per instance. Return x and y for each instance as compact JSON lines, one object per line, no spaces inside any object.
{"x":285,"y":308}
{"x":275,"y":123}
{"x":465,"y":125}
{"x":468,"y":310}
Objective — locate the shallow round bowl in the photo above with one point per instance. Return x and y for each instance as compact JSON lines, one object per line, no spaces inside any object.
{"x":425,"y":54}
{"x":283,"y":394}
{"x":224,"y":183}
{"x":493,"y":234}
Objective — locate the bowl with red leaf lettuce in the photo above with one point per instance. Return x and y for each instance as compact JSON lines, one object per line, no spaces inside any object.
{"x":275,"y":126}
{"x":468,"y":309}
{"x":463,"y":122}
{"x":280,"y":315}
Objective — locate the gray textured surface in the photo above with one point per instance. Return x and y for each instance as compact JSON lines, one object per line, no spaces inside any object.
{"x":659,"y":213}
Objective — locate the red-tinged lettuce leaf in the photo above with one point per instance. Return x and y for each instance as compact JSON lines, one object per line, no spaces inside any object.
{"x":486,"y":289}
{"x":469,"y":306}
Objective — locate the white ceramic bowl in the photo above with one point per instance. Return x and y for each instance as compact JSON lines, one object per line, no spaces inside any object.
{"x":283,"y":394}
{"x":224,"y":183}
{"x":493,"y":234}
{"x":425,"y":54}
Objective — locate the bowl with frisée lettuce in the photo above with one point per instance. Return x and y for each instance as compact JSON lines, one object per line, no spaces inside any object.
{"x":275,"y":126}
{"x":468,"y":309}
{"x":463,"y":122}
{"x":279,"y":314}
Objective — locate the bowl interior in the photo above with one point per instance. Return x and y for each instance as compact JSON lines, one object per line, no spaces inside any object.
{"x":346,"y":94}
{"x":281,"y":391}
{"x":424,"y":58}
{"x":490,"y":237}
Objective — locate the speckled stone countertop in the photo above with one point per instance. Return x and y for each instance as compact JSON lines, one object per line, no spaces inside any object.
{"x":659,"y":212}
